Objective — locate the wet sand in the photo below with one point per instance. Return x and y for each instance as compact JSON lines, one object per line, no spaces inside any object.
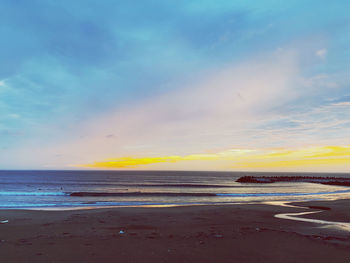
{"x":234,"y":233}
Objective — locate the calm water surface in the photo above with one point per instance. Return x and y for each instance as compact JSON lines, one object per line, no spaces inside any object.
{"x":53,"y":189}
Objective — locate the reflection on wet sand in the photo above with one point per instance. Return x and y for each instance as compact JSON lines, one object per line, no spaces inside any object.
{"x":295,"y":216}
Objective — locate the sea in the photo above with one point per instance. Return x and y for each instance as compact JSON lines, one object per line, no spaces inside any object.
{"x":63,"y":190}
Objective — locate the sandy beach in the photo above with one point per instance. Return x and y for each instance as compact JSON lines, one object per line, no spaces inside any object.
{"x":232,"y":233}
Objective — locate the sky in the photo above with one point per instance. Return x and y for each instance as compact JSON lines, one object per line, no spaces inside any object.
{"x":175,"y":85}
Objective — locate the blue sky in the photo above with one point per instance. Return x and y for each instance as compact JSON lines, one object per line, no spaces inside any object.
{"x":90,"y":80}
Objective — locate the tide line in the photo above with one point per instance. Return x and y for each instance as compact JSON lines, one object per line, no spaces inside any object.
{"x":295,"y":216}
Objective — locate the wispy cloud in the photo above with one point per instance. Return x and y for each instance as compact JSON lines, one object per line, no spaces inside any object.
{"x":321,"y":53}
{"x":132,"y":78}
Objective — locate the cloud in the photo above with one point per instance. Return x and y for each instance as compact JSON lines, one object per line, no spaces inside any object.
{"x":324,"y":123}
{"x":166,"y":79}
{"x":221,"y":103}
{"x":319,"y":81}
{"x":11,"y":133}
{"x":219,"y":107}
{"x":246,"y":105}
{"x":321,"y":53}
{"x":318,"y":158}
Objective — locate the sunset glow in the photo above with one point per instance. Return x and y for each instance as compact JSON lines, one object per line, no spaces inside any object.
{"x":163,"y":85}
{"x":240,"y":159}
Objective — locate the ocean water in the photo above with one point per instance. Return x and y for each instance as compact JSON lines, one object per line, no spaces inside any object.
{"x":85,"y":189}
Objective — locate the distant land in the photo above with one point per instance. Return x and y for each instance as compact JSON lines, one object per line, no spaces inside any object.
{"x":299,"y":179}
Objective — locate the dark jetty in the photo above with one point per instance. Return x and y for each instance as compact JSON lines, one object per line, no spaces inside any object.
{"x":299,"y":179}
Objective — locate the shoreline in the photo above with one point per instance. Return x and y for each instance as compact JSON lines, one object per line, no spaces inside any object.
{"x":288,"y":203}
{"x":220,"y":233}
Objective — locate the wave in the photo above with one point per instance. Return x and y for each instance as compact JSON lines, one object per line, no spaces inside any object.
{"x":170,"y":185}
{"x":73,"y":206}
{"x":165,"y":194}
{"x":281,"y":194}
{"x":154,"y":194}
{"x":180,"y":185}
{"x":32,"y":193}
{"x":83,"y":194}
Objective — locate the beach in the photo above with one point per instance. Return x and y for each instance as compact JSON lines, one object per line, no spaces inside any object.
{"x":230,"y":233}
{"x":174,"y":131}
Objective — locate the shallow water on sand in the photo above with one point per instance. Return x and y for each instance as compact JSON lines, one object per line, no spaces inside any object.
{"x":77,"y":189}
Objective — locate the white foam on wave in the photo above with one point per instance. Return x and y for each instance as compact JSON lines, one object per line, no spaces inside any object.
{"x":282,"y":194}
{"x":9,"y":193}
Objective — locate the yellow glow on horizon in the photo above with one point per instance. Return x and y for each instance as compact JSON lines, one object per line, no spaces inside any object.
{"x":126,"y":162}
{"x":245,"y":158}
{"x":305,"y":157}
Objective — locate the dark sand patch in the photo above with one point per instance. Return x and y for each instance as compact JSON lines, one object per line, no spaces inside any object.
{"x":235,"y":233}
